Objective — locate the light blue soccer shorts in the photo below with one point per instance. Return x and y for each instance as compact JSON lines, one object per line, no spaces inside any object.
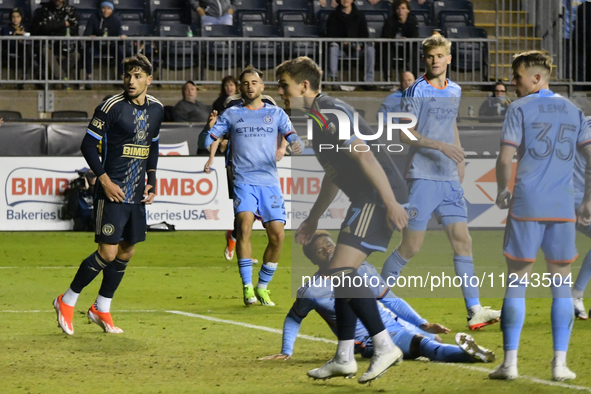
{"x":444,"y":198}
{"x":523,"y":239}
{"x":266,"y":201}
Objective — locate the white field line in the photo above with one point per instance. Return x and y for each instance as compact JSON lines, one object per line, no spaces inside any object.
{"x":52,"y":311}
{"x":318,"y":339}
{"x":231,"y":265}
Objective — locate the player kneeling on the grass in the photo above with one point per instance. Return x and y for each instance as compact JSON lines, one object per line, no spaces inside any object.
{"x":409,"y":331}
{"x":253,"y":127}
{"x":544,"y":128}
{"x":127,"y":127}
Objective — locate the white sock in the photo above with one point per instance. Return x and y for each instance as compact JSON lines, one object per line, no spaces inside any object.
{"x":577,"y":293}
{"x":510,"y":358}
{"x":70,"y":297}
{"x":345,"y":351}
{"x":559,"y":358}
{"x":262,"y":286}
{"x":382,"y":342}
{"x":231,"y":237}
{"x":474,"y":309}
{"x":103,"y":304}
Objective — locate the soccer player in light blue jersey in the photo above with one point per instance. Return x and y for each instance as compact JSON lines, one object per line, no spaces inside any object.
{"x":392,"y":102}
{"x":253,"y":127}
{"x":545,"y":130}
{"x":409,"y":331}
{"x":434,"y":172}
{"x":585,"y":273}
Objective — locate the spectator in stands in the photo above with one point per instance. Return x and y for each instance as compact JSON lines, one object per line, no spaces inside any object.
{"x":189,"y":109}
{"x":229,"y":88}
{"x":392,"y":102}
{"x":582,"y":27}
{"x":213,"y":12}
{"x":16,"y":27}
{"x":497,"y":103}
{"x":55,"y":18}
{"x":104,"y":24}
{"x":348,"y":22}
{"x":15,"y":50}
{"x":401,"y":24}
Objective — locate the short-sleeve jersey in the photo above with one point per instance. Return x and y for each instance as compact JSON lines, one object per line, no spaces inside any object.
{"x":547,"y":130}
{"x":342,"y":169}
{"x":580,"y":164}
{"x":253,"y":133}
{"x":436,"y":110}
{"x":125,"y":131}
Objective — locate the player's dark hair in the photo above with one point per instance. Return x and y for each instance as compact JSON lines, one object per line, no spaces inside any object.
{"x":137,"y":61}
{"x":228,"y":78}
{"x":533,"y":59}
{"x":301,"y":69}
{"x":397,"y":4}
{"x":308,"y":249}
{"x":249,"y":70}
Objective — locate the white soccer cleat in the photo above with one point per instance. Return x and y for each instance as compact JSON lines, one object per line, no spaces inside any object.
{"x":333,"y":369}
{"x":580,"y":310}
{"x":380,"y":364}
{"x":561,"y":372}
{"x":469,"y":345}
{"x":504,"y":373}
{"x":484,"y":317}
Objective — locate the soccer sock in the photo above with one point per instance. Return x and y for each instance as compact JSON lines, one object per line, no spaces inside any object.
{"x":345,"y":351}
{"x":562,"y":316}
{"x":512,"y":318}
{"x":464,"y":265}
{"x":266,"y":274}
{"x":234,"y":234}
{"x":346,"y":319}
{"x":112,"y":276}
{"x":436,"y":351}
{"x":559,"y":358}
{"x":382,"y":342}
{"x":583,"y":277}
{"x":392,"y":267}
{"x":103,"y":304}
{"x":70,"y":297}
{"x":245,"y":269}
{"x":88,"y":270}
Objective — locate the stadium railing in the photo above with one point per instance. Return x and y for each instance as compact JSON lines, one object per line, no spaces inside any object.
{"x":33,"y":60}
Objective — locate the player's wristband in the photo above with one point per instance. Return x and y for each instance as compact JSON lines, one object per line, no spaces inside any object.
{"x":152,"y":181}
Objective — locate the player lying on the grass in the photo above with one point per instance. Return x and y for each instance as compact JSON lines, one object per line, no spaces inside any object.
{"x":131,"y":121}
{"x":544,"y":129}
{"x":409,"y":331}
{"x":585,"y":272}
{"x":435,"y":172}
{"x":253,"y":127}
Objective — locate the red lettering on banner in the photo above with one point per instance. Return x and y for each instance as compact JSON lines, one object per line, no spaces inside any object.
{"x":313,"y":185}
{"x":61,"y":184}
{"x":30,"y":186}
{"x":187,"y":187}
{"x":298,"y":186}
{"x":18,"y":186}
{"x":169,"y":189}
{"x":201,"y":182}
{"x":43,"y":188}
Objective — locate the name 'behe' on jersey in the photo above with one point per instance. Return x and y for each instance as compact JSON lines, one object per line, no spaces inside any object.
{"x":436,"y":110}
{"x":547,"y":129}
{"x":253,"y":134}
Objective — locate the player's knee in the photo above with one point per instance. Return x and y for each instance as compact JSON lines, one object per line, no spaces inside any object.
{"x":408,"y":250}
{"x":276,"y":238}
{"x":463,"y":246}
{"x":107,"y":254}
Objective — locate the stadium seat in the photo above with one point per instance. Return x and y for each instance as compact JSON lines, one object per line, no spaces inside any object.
{"x":85,"y":4}
{"x":127,"y":16}
{"x":374,"y":29}
{"x":422,"y":11}
{"x":176,"y":54}
{"x":289,"y":7}
{"x":426,"y":31}
{"x":244,"y":8}
{"x":457,"y":7}
{"x":453,"y":19}
{"x":322,"y":18}
{"x":382,"y":7}
{"x":68,"y":114}
{"x":33,"y":5}
{"x":137,"y":7}
{"x":251,"y":19}
{"x":179,"y":7}
{"x":133,"y":28}
{"x":136,"y":29}
{"x":468,"y":56}
{"x":317,"y":10}
{"x":220,"y":55}
{"x":301,"y":47}
{"x":261,"y":54}
{"x":10,"y":115}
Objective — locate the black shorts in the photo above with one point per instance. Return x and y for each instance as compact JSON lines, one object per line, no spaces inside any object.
{"x":116,"y":222}
{"x":366,"y":227}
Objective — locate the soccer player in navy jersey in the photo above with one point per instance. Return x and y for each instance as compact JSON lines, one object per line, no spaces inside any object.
{"x":126,"y":128}
{"x":253,"y":127}
{"x":545,"y":130}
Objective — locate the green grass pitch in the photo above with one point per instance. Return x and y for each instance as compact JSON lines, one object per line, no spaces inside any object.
{"x":162,"y":352}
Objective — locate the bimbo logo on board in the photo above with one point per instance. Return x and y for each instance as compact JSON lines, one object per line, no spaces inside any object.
{"x":186,"y":187}
{"x":34,"y":185}
{"x":344,"y":129}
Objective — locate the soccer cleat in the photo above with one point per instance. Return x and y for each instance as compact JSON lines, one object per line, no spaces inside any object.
{"x":264,"y":296}
{"x":254,"y":261}
{"x":561,"y":372}
{"x":580,"y":311}
{"x":469,"y":345}
{"x":380,"y":364}
{"x":484,"y":317}
{"x":103,"y":320}
{"x":230,"y":244}
{"x":65,"y":315}
{"x":333,"y":369}
{"x":249,"y":297}
{"x":504,"y":373}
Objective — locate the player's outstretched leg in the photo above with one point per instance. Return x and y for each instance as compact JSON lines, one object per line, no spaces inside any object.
{"x":469,"y":345}
{"x":65,"y":303}
{"x":99,"y":313}
{"x":562,"y":317}
{"x":579,"y":288}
